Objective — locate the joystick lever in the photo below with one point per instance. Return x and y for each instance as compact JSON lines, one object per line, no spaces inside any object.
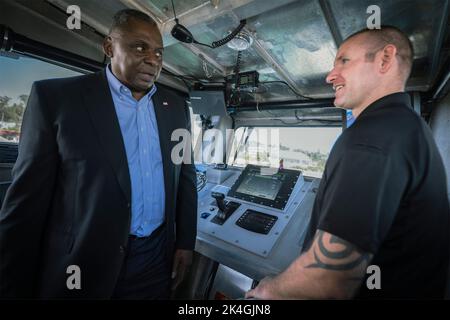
{"x":219,"y":196}
{"x":226,"y":209}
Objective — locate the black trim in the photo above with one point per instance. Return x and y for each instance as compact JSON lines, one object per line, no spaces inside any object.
{"x":8,"y":152}
{"x":278,"y":105}
{"x":20,"y":44}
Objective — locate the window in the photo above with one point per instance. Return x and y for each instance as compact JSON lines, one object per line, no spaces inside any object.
{"x":17,"y":76}
{"x":300,"y":148}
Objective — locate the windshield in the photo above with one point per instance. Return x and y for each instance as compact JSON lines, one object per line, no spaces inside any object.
{"x":302,"y":148}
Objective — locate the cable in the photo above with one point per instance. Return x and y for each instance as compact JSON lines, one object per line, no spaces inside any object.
{"x":257,"y":102}
{"x":237,"y":69}
{"x":285,"y":83}
{"x":186,"y":83}
{"x":189,"y":78}
{"x":182,"y":78}
{"x":174,"y":14}
{"x":244,"y":140}
{"x":225,"y":40}
{"x":229,"y":37}
{"x":201,"y":181}
{"x":282,"y":121}
{"x":205,"y":69}
{"x":184,"y":35}
{"x":203,"y":44}
{"x":235,"y":97}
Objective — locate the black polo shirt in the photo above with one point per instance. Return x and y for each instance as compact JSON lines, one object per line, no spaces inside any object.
{"x":384,"y":190}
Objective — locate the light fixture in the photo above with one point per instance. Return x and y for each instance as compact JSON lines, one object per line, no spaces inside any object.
{"x":242,"y":41}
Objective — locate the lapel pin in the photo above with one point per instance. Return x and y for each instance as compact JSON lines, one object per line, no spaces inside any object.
{"x":165,"y":103}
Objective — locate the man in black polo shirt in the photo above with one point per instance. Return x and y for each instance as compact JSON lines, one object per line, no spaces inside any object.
{"x":383,"y":197}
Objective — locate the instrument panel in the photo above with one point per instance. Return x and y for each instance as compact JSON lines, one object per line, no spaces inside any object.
{"x":250,"y":212}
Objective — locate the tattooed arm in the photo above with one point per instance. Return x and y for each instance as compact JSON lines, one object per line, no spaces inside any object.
{"x":332,"y":268}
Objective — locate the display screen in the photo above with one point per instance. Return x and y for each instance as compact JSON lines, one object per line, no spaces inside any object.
{"x":266,"y":186}
{"x":244,"y":79}
{"x":257,"y":185}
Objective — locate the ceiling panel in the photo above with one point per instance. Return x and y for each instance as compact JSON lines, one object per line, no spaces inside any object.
{"x":295,"y":41}
{"x":419,"y":19}
{"x":298,"y":37}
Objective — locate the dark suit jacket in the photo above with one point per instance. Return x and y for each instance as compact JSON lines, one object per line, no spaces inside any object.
{"x":69,"y":202}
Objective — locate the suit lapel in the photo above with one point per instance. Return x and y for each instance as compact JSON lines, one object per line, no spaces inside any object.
{"x":100,"y":106}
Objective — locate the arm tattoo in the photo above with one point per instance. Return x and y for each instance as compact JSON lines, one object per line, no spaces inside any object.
{"x":342,"y":260}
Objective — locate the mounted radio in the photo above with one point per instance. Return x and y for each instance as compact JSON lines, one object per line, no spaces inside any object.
{"x":247,"y":81}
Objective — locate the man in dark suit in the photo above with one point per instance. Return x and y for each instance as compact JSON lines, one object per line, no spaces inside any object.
{"x":95,"y":193}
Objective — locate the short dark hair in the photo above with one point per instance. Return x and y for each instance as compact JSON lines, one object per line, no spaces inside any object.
{"x":122,"y":17}
{"x":379,"y":38}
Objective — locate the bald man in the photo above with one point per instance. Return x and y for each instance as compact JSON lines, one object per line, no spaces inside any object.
{"x":382,"y":199}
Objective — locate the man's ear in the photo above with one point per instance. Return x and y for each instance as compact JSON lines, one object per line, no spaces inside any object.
{"x":107,"y":47}
{"x":387,"y":58}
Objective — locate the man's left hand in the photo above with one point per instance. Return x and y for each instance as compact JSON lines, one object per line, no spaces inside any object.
{"x":181,"y":262}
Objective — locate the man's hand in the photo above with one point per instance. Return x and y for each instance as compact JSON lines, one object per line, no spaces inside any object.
{"x":181,"y":262}
{"x":262,"y":291}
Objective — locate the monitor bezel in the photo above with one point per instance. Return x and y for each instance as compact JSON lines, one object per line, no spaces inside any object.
{"x":283,"y":195}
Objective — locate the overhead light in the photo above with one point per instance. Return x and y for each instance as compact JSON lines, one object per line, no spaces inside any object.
{"x":242,"y":41}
